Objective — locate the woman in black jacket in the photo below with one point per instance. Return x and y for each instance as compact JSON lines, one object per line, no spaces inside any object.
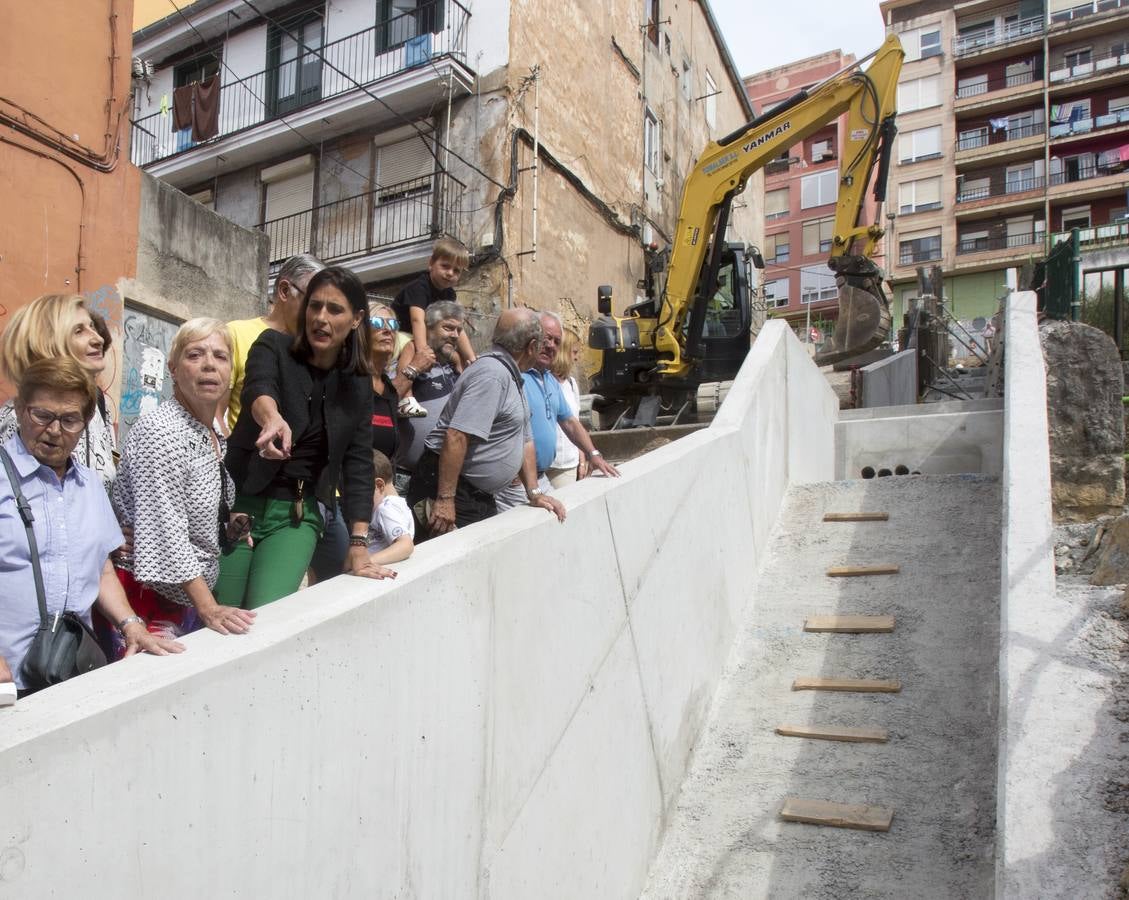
{"x":304,"y":427}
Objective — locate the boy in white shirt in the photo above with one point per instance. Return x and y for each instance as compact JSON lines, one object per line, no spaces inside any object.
{"x":391,"y":534}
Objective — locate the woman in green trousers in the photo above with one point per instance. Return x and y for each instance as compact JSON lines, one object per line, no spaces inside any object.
{"x":304,"y":427}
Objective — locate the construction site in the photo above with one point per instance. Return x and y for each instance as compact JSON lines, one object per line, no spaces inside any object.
{"x":854,"y":620}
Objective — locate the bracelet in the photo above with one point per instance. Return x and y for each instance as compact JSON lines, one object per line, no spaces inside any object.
{"x":410,"y":372}
{"x":592,"y":453}
{"x":358,"y":540}
{"x":129,"y":620}
{"x":444,"y":496}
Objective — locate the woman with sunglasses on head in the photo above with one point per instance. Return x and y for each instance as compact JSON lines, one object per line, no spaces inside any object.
{"x":304,"y":428}
{"x":385,"y":392}
{"x":61,"y":325}
{"x":172,"y":489}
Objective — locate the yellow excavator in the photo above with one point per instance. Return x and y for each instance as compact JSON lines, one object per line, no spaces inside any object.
{"x":695,"y":328}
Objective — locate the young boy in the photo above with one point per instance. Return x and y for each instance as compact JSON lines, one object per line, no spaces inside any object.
{"x":392,"y":530}
{"x":449,"y":260}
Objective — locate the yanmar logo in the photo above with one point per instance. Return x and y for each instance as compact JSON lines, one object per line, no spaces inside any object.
{"x":767,"y":136}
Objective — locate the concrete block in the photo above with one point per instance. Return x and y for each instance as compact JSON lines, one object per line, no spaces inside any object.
{"x":592,"y":823}
{"x":813,"y":410}
{"x":891,"y":381}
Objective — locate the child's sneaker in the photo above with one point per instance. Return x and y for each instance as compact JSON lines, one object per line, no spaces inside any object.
{"x":409,"y":408}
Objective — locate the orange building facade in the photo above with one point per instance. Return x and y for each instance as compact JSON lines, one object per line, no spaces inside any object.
{"x":70,"y":195}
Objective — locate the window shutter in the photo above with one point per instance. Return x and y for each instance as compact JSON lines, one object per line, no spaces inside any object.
{"x":776,"y":202}
{"x":401,"y":162}
{"x":289,"y":207}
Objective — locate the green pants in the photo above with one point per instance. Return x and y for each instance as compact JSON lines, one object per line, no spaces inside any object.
{"x":251,"y":577}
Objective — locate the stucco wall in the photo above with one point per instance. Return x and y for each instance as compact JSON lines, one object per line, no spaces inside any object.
{"x":511,"y":718}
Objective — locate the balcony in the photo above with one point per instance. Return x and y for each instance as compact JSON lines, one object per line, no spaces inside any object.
{"x":999,"y":185}
{"x":320,"y":98}
{"x":398,"y":222}
{"x":990,"y":137}
{"x":1082,"y":10}
{"x":1103,"y":169}
{"x":1100,"y":237}
{"x":999,"y":242}
{"x":908,"y":256}
{"x":1106,"y":64}
{"x":979,"y":88}
{"x":988,"y":38}
{"x":1089,"y":124}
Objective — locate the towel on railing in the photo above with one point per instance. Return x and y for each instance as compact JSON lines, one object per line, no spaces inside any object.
{"x":182,"y":107}
{"x":206,"y":110}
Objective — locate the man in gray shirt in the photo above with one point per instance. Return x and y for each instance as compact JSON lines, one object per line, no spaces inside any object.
{"x":483,"y":437}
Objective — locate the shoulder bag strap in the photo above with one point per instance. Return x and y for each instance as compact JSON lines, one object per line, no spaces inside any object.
{"x":25,"y":513}
{"x":509,"y":365}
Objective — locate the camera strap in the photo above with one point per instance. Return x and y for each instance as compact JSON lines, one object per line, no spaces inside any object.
{"x":25,"y":513}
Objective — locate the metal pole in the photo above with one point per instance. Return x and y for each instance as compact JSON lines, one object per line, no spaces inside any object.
{"x":536,"y":145}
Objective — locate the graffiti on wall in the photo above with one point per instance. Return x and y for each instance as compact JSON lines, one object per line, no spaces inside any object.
{"x":145,"y":353}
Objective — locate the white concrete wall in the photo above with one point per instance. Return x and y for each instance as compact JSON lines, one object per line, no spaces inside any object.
{"x":891,"y":381}
{"x":1033,"y":751}
{"x":935,"y":439}
{"x":511,"y":718}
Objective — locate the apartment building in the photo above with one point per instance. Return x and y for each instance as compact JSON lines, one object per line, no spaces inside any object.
{"x":1013,"y":129}
{"x":552,"y":140}
{"x":800,"y":192}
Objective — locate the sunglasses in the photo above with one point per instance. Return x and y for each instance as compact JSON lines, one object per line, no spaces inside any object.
{"x":380,"y":323}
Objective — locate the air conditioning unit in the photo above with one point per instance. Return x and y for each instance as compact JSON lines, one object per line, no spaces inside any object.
{"x":143,"y":68}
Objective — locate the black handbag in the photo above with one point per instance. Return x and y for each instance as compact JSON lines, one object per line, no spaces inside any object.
{"x":64,"y":646}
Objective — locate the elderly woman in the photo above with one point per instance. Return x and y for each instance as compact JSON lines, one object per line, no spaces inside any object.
{"x":60,"y":325}
{"x":385,"y":396}
{"x":172,"y":489}
{"x":74,"y":525}
{"x":304,"y":428}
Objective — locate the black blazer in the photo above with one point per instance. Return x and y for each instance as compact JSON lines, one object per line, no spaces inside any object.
{"x":272,"y":370}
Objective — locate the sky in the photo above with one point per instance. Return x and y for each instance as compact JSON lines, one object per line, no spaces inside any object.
{"x":760,"y":37}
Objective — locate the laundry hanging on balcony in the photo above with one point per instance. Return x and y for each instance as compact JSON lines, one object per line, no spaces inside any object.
{"x":197,"y":106}
{"x":999,"y":124}
{"x":1064,"y":113}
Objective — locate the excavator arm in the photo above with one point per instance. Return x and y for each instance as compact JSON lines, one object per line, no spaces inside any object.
{"x":868,"y":98}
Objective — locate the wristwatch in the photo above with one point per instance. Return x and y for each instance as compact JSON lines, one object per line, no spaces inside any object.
{"x":129,"y":620}
{"x":593,"y":453}
{"x":534,"y":493}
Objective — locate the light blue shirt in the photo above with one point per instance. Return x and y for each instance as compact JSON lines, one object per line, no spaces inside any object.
{"x":547,"y":406}
{"x":75,"y":530}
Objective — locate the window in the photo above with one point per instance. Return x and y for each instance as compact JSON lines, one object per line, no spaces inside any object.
{"x":294,"y":66}
{"x":652,"y":142}
{"x":924,"y":143}
{"x":288,"y":199}
{"x":651,"y":18}
{"x":776,"y":204}
{"x":1118,"y":105}
{"x":973,"y":138}
{"x":817,"y":283}
{"x":777,"y":248}
{"x":1078,"y":57}
{"x":1021,"y":178}
{"x":1024,"y":230}
{"x":972,"y":85}
{"x":711,"y":100}
{"x":403,"y":21}
{"x":1019,"y":73}
{"x":919,"y":249}
{"x":922,"y":42}
{"x":819,"y":189}
{"x":973,"y":188}
{"x":201,"y":68}
{"x":818,"y":235}
{"x":1076,"y":217}
{"x":821,"y":151}
{"x":920,"y":93}
{"x":776,"y":292}
{"x":920,"y":195}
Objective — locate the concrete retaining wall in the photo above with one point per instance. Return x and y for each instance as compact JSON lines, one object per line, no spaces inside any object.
{"x":511,"y":718}
{"x":891,"y":381}
{"x":1032,"y":750}
{"x":950,"y":438}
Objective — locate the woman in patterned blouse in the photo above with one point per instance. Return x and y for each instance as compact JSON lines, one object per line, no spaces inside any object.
{"x":60,"y":325}
{"x":173,"y":490}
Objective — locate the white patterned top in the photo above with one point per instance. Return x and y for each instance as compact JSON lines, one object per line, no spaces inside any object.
{"x":168,"y":491}
{"x":95,"y":448}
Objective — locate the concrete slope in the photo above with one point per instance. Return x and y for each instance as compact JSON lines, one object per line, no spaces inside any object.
{"x":938,"y":770}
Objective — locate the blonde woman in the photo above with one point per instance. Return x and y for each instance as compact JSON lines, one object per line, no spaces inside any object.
{"x":49,"y":327}
{"x":569,"y":464}
{"x":174,"y":492}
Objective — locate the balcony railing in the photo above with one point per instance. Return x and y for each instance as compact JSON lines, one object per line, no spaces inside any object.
{"x":1081,"y":10}
{"x":1109,"y":62}
{"x":976,"y":41}
{"x":392,"y":215}
{"x":1000,"y":185}
{"x":999,"y":136}
{"x":999,"y":242}
{"x":1086,"y":173}
{"x":908,"y":256}
{"x":1113,"y":235}
{"x":976,"y":88}
{"x":433,"y":30}
{"x":1090,"y":123}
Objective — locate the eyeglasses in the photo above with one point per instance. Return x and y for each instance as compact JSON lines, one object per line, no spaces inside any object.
{"x":380,"y":323}
{"x":72,"y":423}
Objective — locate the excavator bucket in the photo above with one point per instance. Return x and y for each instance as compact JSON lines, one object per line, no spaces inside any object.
{"x":864,"y":312}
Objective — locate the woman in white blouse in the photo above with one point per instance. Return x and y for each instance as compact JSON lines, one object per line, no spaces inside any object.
{"x":60,"y":325}
{"x":569,"y":464}
{"x":173,"y":490}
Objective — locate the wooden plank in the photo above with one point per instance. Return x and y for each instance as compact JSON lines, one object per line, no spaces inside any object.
{"x":837,"y":815}
{"x":851,"y":571}
{"x":834,"y":733}
{"x":856,"y":517}
{"x":850,"y":624}
{"x":856,"y":685}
